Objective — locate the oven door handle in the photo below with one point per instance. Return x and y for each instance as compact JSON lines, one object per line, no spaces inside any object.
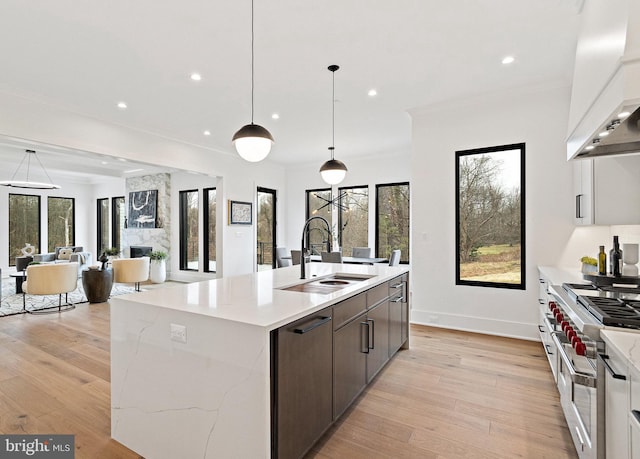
{"x":578,"y":377}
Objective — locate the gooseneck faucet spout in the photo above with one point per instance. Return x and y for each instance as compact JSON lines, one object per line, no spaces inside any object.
{"x":303,"y":267}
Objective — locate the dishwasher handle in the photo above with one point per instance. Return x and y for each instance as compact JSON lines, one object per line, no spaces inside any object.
{"x":315,"y":324}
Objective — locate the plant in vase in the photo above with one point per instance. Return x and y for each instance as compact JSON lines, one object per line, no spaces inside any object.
{"x":158,"y":267}
{"x":589,"y":265}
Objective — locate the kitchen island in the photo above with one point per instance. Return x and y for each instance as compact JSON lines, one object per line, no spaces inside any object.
{"x":191,"y":365}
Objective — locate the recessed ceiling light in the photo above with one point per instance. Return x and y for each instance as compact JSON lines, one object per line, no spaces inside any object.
{"x":623,"y":114}
{"x":207,"y":132}
{"x":104,"y":163}
{"x":275,"y":116}
{"x":372,"y":92}
{"x":122,"y":105}
{"x":603,"y":134}
{"x":589,"y":147}
{"x":196,"y":77}
{"x":130,"y":171}
{"x":508,"y":60}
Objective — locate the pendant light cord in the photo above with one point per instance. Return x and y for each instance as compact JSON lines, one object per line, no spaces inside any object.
{"x":252,"y":39}
{"x":333,"y":113}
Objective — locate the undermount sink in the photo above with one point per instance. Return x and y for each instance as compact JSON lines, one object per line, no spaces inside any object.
{"x":329,"y":284}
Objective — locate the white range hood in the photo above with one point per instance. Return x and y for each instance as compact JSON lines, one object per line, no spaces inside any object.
{"x":606,"y":81}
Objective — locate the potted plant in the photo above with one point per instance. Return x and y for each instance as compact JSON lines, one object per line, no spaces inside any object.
{"x":112,"y":252}
{"x":589,"y":265}
{"x":158,"y":267}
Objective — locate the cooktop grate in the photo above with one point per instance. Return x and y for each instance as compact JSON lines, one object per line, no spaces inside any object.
{"x":613,"y":311}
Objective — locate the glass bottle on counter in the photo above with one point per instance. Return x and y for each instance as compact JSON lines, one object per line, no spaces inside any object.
{"x":602,"y":262}
{"x":615,"y":257}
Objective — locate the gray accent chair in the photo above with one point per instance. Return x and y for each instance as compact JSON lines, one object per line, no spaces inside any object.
{"x":361,"y":252}
{"x":295,"y":257}
{"x":282,"y":258}
{"x":331,"y":257}
{"x":394,"y":260}
{"x":77,"y":255}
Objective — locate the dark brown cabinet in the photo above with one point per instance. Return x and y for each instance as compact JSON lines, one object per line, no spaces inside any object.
{"x":302,"y":395}
{"x":321,"y":363}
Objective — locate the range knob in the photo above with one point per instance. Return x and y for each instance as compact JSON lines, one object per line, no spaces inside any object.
{"x":552,"y":305}
{"x":575,"y":340}
{"x":564,"y":325}
{"x":559,"y":317}
{"x":570,"y":333}
{"x":581,"y":348}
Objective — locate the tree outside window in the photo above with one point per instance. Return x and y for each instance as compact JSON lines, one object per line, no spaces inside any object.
{"x":490,"y":230}
{"x":318,"y":204}
{"x":392,"y":220}
{"x":24,"y":226}
{"x":353,"y":218}
{"x":60,"y":222}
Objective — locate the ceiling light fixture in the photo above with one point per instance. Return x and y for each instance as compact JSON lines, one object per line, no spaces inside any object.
{"x":372,"y":93}
{"x":122,"y":105}
{"x":28,"y":183}
{"x":196,"y":77}
{"x":207,"y":133}
{"x":252,"y":141}
{"x":508,"y":60}
{"x":333,"y":171}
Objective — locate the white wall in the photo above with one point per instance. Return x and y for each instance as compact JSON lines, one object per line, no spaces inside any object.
{"x":371,"y":171}
{"x":538,"y":118}
{"x":237,"y":179}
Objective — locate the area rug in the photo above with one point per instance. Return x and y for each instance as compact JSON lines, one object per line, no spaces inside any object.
{"x":12,"y":303}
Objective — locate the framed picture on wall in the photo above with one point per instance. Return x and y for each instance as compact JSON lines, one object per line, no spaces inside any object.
{"x":142,"y":209}
{"x":239,"y":213}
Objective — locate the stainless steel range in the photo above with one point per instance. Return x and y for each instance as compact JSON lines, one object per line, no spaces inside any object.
{"x":572,"y":324}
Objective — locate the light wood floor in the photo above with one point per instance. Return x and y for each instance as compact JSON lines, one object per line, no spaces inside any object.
{"x":452,"y":395}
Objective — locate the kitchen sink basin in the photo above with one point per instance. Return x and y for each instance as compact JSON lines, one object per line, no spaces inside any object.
{"x":327,"y":285}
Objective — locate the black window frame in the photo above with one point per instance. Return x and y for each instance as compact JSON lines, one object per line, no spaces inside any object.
{"x":183,"y":208}
{"x":38,"y":247}
{"x":205,"y":224}
{"x":274,"y":224}
{"x":115,"y":227}
{"x":99,"y":223}
{"x":508,"y":147}
{"x":405,"y":258}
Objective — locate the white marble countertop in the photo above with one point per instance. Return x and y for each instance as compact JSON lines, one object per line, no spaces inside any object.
{"x":557,"y":275}
{"x":627,"y":343}
{"x":256,"y":299}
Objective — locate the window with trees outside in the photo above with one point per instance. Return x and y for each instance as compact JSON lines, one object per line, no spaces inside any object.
{"x":61,"y":222}
{"x":118,"y":217}
{"x":266,"y":229}
{"x":189,"y":210}
{"x":103,"y":224}
{"x":392,"y":220}
{"x":209,"y":234}
{"x":318,"y":204}
{"x":24,"y":224}
{"x":353,"y":218}
{"x":490,"y":230}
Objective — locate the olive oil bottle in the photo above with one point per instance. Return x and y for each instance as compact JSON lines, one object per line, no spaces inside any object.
{"x":602,"y":262}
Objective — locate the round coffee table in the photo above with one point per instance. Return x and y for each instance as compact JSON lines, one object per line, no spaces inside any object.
{"x":97,"y":284}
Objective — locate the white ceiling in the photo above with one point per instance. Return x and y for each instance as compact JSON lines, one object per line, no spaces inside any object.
{"x":86,"y":56}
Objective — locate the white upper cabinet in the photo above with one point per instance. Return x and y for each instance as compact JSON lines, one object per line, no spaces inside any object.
{"x":607,"y":190}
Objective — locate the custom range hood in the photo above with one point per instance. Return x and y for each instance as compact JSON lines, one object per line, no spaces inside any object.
{"x":605,"y":99}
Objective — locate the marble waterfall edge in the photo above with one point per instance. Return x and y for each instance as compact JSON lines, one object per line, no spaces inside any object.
{"x":205,"y":398}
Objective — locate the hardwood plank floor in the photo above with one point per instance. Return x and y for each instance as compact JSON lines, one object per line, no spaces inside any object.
{"x":452,"y":395}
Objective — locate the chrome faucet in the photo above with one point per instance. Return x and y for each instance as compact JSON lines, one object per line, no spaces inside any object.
{"x":302,"y":249}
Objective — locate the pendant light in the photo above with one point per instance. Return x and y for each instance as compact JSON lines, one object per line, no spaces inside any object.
{"x":252,"y":141}
{"x":333,"y":171}
{"x":28,"y":183}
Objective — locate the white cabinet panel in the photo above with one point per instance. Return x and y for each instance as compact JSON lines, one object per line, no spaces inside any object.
{"x":616,"y":406}
{"x":617,"y":190}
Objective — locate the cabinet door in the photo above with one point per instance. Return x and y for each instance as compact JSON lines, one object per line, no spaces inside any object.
{"x":378,"y":342}
{"x":616,"y":406}
{"x":349,"y":363}
{"x":617,"y":190}
{"x":303,"y":383}
{"x":583,"y":191}
{"x":396,"y":306}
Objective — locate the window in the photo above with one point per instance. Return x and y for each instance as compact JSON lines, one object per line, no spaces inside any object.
{"x":392,"y":220}
{"x":189,"y":209}
{"x":266,"y":217}
{"x":60,"y":222}
{"x":490,"y":231}
{"x":210,"y":230}
{"x":318,"y":204}
{"x":24,"y":224}
{"x":353,"y":218}
{"x":118,"y":221}
{"x":103,"y":224}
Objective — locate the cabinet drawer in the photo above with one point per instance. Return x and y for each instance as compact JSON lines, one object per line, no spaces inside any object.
{"x":345,"y":311}
{"x":635,"y":388}
{"x":377,"y":294}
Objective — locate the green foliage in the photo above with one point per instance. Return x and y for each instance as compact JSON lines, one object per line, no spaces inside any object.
{"x":158,"y":255}
{"x":112,"y":252}
{"x":589,"y":261}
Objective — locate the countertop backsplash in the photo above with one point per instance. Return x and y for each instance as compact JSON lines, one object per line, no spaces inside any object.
{"x":586,"y":240}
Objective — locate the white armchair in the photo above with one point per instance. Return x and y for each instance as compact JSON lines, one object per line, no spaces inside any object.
{"x":126,"y":270}
{"x":51,"y":279}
